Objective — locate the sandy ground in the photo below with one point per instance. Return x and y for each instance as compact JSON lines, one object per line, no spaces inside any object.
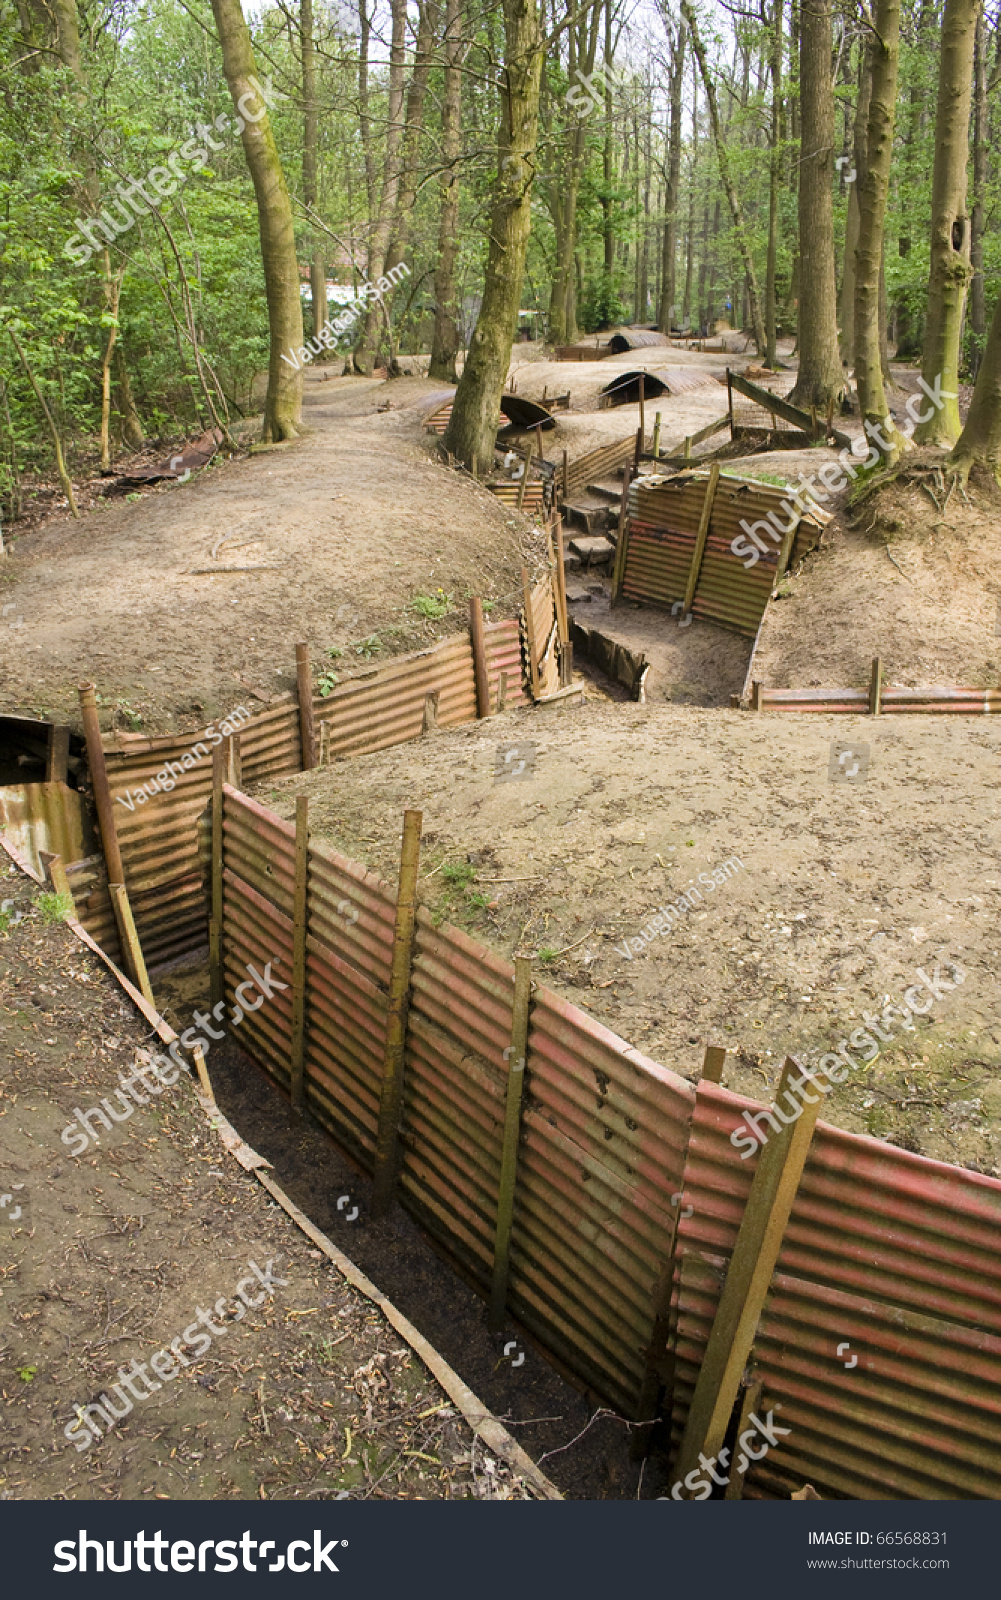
{"x":844,"y":891}
{"x":695,"y":665}
{"x":108,"y":1256}
{"x":353,"y":521}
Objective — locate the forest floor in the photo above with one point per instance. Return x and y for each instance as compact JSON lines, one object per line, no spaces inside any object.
{"x":845,"y":889}
{"x":109,"y":1255}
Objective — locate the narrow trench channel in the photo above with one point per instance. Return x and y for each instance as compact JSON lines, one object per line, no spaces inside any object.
{"x":543,"y":1410}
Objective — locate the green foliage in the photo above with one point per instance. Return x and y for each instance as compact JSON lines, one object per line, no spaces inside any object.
{"x":458,"y":872}
{"x":54,"y":907}
{"x":432,"y":606}
{"x":602,"y":306}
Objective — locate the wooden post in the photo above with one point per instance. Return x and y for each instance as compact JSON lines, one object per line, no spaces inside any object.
{"x":642,"y":412}
{"x":688,"y":446}
{"x":700,"y":540}
{"x":304,"y":683}
{"x":220,"y":757}
{"x":109,"y":834}
{"x":477,"y":639}
{"x":391,"y":1098}
{"x":566,"y":475}
{"x":619,"y":570}
{"x":750,"y":1402}
{"x":523,"y":485}
{"x":639,"y":448}
{"x":509,"y":1146}
{"x":729,"y":401}
{"x":300,"y":917}
{"x":203,"y":1072}
{"x":56,"y":872}
{"x":713,"y":1064}
{"x":776,"y":1179}
{"x":876,"y":688}
{"x":563,"y":619}
{"x":656,"y":433}
{"x":533,"y":665}
{"x":757,"y":696}
{"x":57,"y":755}
{"x":131,"y":948}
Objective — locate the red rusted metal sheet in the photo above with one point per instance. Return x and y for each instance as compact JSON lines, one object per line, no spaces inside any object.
{"x":385,"y":706}
{"x":888,"y":1253}
{"x":504,"y":656}
{"x":598,"y":464}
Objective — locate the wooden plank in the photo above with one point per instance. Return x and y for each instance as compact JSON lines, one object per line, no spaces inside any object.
{"x":533,"y":661}
{"x":219,"y":762}
{"x":391,"y":1098}
{"x":57,"y":756}
{"x":477,"y":640}
{"x":779,"y":407}
{"x":515,"y":1054}
{"x":700,"y":539}
{"x":619,"y":569}
{"x":750,"y":1402}
{"x":300,"y":936}
{"x":776,"y":1180}
{"x":131,"y":948}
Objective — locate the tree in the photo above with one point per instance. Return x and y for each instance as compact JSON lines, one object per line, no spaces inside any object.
{"x":820,"y":382}
{"x":979,"y":444}
{"x":317,"y":266}
{"x":445,"y":340}
{"x":283,"y":404}
{"x":472,"y":427}
{"x":884,"y":54}
{"x":672,"y":177}
{"x":950,"y":227}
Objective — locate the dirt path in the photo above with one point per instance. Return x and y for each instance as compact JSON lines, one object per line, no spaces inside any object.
{"x":300,"y":1390}
{"x":844,"y":888}
{"x":352,"y":522}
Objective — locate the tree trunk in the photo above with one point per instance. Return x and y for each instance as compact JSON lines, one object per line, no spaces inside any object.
{"x":852,"y":220}
{"x":884,"y":56}
{"x":979,"y":444}
{"x":472,"y":428}
{"x":445,"y":341}
{"x":668,"y":310}
{"x":283,"y":405}
{"x":426,"y":28}
{"x":565,"y":189}
{"x":950,"y":226}
{"x":364,"y":351}
{"x":686,"y":310}
{"x":607,"y":223}
{"x":978,"y":306}
{"x":112,"y":293}
{"x":132,"y":427}
{"x":317,"y":268}
{"x":724,"y":172}
{"x":820,"y":382}
{"x":775,"y":67}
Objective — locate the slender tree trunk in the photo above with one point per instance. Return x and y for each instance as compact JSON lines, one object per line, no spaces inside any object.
{"x":884,"y":54}
{"x":668,"y":310}
{"x":57,"y":444}
{"x":364,"y":351}
{"x":852,"y":220}
{"x":112,"y":293}
{"x":132,"y":427}
{"x":427,"y":18}
{"x":979,"y":444}
{"x":317,"y":267}
{"x":724,"y":171}
{"x":283,"y":405}
{"x":978,"y":305}
{"x":445,"y":341}
{"x":472,"y":428}
{"x":950,"y":228}
{"x":774,"y":179}
{"x":820,"y":382}
{"x":686,"y":310}
{"x":607,"y":222}
{"x":582,"y":48}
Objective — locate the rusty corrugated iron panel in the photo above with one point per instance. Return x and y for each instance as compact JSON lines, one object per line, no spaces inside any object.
{"x":259,"y":848}
{"x":602,"y":1154}
{"x":504,"y":655}
{"x":385,"y":706}
{"x":598,"y":464}
{"x":459,"y":1026}
{"x":956,"y":702}
{"x":533,"y":501}
{"x":255,"y":932}
{"x":889,"y":1252}
{"x":46,"y":816}
{"x":636,"y":339}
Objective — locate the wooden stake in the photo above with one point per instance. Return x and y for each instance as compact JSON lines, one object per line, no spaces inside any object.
{"x":477,"y":639}
{"x":757,"y":696}
{"x":304,"y":683}
{"x":773,"y":1191}
{"x":729,"y":401}
{"x":219,"y":756}
{"x":57,"y":755}
{"x":750,"y":1402}
{"x":516,"y":1055}
{"x":300,"y":917}
{"x":203,"y":1072}
{"x":391,"y":1099}
{"x":642,"y":413}
{"x":523,"y":485}
{"x":876,"y":688}
{"x":566,"y":475}
{"x":619,"y":570}
{"x":700,"y":540}
{"x":713,"y":1064}
{"x":639,"y":448}
{"x":56,"y":872}
{"x":656,"y":434}
{"x":131,"y":948}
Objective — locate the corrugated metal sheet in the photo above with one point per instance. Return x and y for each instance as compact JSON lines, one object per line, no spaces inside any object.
{"x":534,"y":501}
{"x":582,"y":352}
{"x":455,"y":1084}
{"x":889,"y":1252}
{"x":599,"y":464}
{"x":385,"y":706}
{"x":502,"y":641}
{"x":899,"y":702}
{"x":46,"y":816}
{"x":624,"y":388}
{"x":636,"y":339}
{"x":603,"y":1138}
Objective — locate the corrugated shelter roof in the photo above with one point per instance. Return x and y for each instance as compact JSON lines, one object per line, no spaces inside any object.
{"x":636,"y":339}
{"x":624,"y":388}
